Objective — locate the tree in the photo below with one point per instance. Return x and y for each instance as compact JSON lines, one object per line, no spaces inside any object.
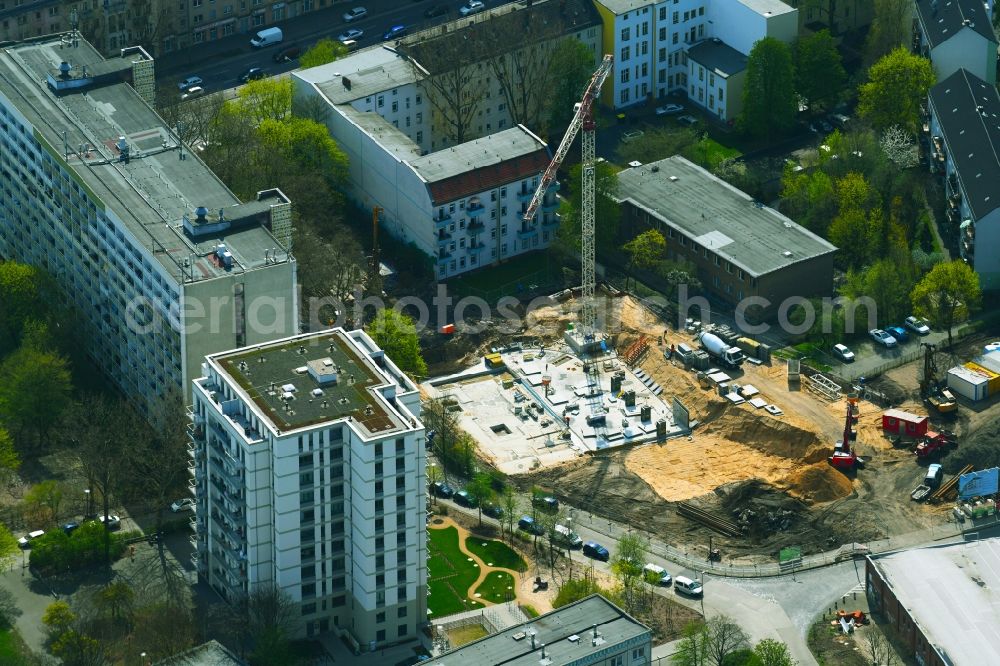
{"x":627,"y":563}
{"x":878,"y":649}
{"x":607,"y":212}
{"x":76,"y":649}
{"x":724,"y":638}
{"x":396,"y":334}
{"x":58,"y":618}
{"x":769,"y":99}
{"x":897,"y":85}
{"x":809,"y":198}
{"x":117,"y":600}
{"x":9,"y":610}
{"x":270,"y":620}
{"x":19,"y":301}
{"x":453,"y":83}
{"x":480,"y":489}
{"x":889,"y":29}
{"x":773,"y":653}
{"x":324,"y":51}
{"x":645,"y":250}
{"x":34,"y":390}
{"x":331,"y":262}
{"x":692,"y":649}
{"x":10,"y":461}
{"x":819,"y":73}
{"x":899,"y":147}
{"x":8,"y":545}
{"x":571,"y":66}
{"x":509,"y":504}
{"x":43,"y":501}
{"x":439,"y":418}
{"x":947,"y":295}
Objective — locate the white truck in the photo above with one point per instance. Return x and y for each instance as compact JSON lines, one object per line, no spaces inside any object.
{"x":713,"y":344}
{"x":267,"y":37}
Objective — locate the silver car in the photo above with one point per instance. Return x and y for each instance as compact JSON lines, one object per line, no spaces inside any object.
{"x":917,"y":325}
{"x":843,"y":353}
{"x":883,"y":338}
{"x":355,"y":14}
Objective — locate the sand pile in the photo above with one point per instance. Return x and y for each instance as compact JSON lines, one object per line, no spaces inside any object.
{"x":818,"y":482}
{"x":778,"y":437}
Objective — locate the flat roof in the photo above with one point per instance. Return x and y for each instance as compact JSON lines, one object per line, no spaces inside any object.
{"x":623,"y":6}
{"x":716,"y":215}
{"x":311,"y":379}
{"x":953,"y":593}
{"x":717,"y":56}
{"x":211,"y":653}
{"x":390,"y":137}
{"x":566,"y":632}
{"x":367,"y":72}
{"x":151,"y":193}
{"x":943,"y":19}
{"x":768,"y":7}
{"x":968,"y":112}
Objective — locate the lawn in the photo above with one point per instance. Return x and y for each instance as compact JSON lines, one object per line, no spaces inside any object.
{"x":522,"y":273}
{"x":12,"y":648}
{"x":495,"y":553}
{"x":498,"y":587}
{"x":449,"y":574}
{"x":709,"y":153}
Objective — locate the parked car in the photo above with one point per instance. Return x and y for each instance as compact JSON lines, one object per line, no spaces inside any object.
{"x":545,"y":502}
{"x":825,"y":126}
{"x":189,"y":82}
{"x":252,"y":74}
{"x":567,"y":537}
{"x":183,"y":504}
{"x":917,"y":325}
{"x":528,"y":524}
{"x":843,"y":353}
{"x":355,"y":14}
{"x":442,"y":489}
{"x":685,"y":585}
{"x":471,"y":7}
{"x":394,"y":32}
{"x":631,"y":135}
{"x":463,"y":498}
{"x":899,"y":333}
{"x":287,"y":53}
{"x":493,"y":511}
{"x":596,"y":551}
{"x":882,"y":338}
{"x":687,"y":120}
{"x":657,"y":575}
{"x":196,"y":91}
{"x":668,"y":109}
{"x":435,"y":11}
{"x":113,"y":522}
{"x":349,"y":34}
{"x":69,"y":528}
{"x":25,"y":541}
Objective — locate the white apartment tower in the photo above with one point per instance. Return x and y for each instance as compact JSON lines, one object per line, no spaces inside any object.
{"x":160,"y":261}
{"x":308,"y":465}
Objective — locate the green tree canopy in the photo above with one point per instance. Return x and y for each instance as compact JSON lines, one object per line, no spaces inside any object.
{"x":769,"y":99}
{"x":396,"y":334}
{"x":481,"y":490}
{"x":34,"y":390}
{"x":8,"y":544}
{"x":570,"y":69}
{"x":607,"y":213}
{"x":890,"y":27}
{"x":819,"y":73}
{"x":10,"y":461}
{"x":897,"y":85}
{"x":645,"y":250}
{"x":947,"y":295}
{"x":770,"y":652}
{"x":324,"y":51}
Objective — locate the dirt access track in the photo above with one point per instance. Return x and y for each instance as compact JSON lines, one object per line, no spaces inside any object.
{"x":741,"y":463}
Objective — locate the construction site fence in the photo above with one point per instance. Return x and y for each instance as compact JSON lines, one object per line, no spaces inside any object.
{"x":851,"y":373}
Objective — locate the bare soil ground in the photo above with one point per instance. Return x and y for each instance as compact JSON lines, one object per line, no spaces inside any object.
{"x":740,"y":458}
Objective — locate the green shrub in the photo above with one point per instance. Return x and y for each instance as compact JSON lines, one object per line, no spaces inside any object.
{"x":57,"y":552}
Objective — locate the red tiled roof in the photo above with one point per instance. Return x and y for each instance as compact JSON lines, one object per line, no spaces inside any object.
{"x":489,"y":177}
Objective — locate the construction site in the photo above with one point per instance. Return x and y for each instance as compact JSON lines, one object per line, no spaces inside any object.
{"x":749,"y":458}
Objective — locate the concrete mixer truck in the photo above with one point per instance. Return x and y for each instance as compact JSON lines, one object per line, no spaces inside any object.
{"x":729,"y":356}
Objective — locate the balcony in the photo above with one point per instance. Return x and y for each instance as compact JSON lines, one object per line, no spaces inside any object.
{"x":443,"y":236}
{"x":477,"y":247}
{"x":442,"y":217}
{"x":527,"y":230}
{"x":550,"y":204}
{"x":475,"y":209}
{"x":475,"y":227}
{"x":443,"y":254}
{"x":524,"y":194}
{"x":551,"y":220}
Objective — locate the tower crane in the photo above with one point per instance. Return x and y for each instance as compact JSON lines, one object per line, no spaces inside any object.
{"x":583,"y":118}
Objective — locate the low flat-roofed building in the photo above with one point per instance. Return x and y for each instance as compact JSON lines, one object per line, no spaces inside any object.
{"x":942,"y":601}
{"x":211,"y":653}
{"x":740,"y":247}
{"x":590,"y":631}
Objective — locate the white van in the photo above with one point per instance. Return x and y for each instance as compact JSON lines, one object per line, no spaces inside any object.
{"x":267,"y":37}
{"x":568,"y":538}
{"x":656,"y":575}
{"x":685,"y":585}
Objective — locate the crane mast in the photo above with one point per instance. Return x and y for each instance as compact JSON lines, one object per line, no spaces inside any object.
{"x":582,"y":119}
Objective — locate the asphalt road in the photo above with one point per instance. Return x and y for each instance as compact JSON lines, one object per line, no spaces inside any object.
{"x":220,"y":63}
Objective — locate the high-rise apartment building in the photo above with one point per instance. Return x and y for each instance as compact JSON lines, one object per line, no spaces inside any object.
{"x":308,"y":461}
{"x":161,"y":262}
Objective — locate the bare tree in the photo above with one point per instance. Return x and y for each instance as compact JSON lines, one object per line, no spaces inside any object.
{"x":453,"y":79}
{"x":270,"y":621}
{"x":444,"y":422}
{"x":899,"y":147}
{"x":510,"y":504}
{"x":724,"y":638}
{"x":878,"y":649}
{"x":160,"y":458}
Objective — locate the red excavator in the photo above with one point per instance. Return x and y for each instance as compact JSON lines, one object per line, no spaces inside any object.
{"x":844,"y":457}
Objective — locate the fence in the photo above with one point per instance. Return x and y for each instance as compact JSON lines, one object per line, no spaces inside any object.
{"x":853,"y":371}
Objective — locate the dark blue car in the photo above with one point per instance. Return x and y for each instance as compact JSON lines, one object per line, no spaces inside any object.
{"x":596,"y":551}
{"x":898,"y":332}
{"x":394,"y":32}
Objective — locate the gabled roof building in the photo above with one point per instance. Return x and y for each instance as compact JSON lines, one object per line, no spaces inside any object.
{"x":956,"y":34}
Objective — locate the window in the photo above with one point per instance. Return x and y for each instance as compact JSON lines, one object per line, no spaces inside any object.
{"x":626,"y":75}
{"x":395,"y":105}
{"x":676,"y":17}
{"x":401,"y":611}
{"x":402,"y":630}
{"x":618,"y":660}
{"x":380,"y":634}
{"x":624,"y":97}
{"x":673,"y":40}
{"x":380,"y":618}
{"x":626,"y":34}
{"x":626,"y":52}
{"x":663,"y":34}
{"x":638,"y":653}
{"x":662,"y":54}
{"x":381,"y":101}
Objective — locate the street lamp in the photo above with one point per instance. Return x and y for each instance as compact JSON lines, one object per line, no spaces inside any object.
{"x":86,"y":494}
{"x":703,"y":594}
